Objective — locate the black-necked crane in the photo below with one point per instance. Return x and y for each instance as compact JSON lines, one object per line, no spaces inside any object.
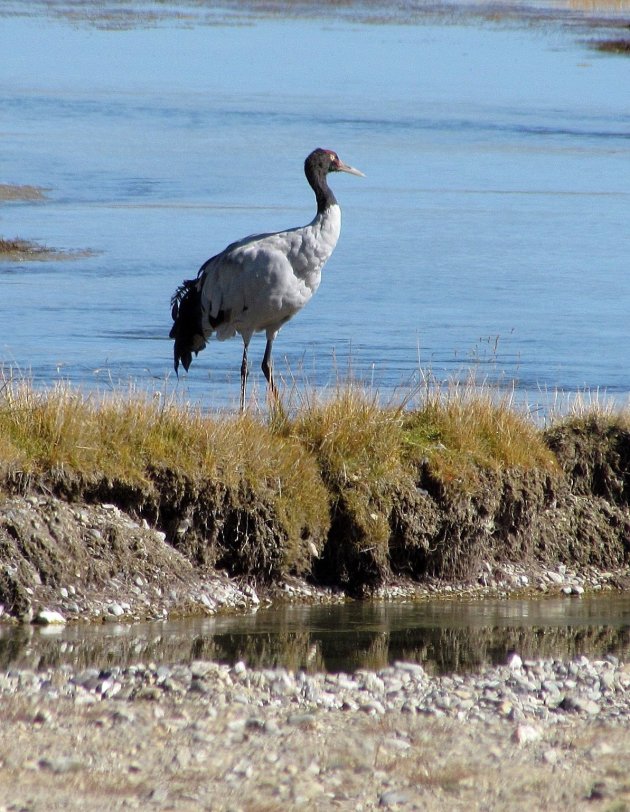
{"x":260,"y":282}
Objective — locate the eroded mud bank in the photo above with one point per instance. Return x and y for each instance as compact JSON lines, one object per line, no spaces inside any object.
{"x":178,"y":545}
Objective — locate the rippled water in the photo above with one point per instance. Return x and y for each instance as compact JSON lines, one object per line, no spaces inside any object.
{"x":444,"y":636}
{"x":490,"y":232}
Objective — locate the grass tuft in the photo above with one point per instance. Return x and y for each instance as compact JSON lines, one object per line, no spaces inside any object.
{"x":461,"y":431}
{"x":358,"y":446}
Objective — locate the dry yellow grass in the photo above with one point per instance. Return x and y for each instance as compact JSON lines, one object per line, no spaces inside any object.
{"x":461,"y":430}
{"x":122,"y":435}
{"x":354,"y":442}
{"x":588,"y":406}
{"x":353,"y":436}
{"x":358,"y":446}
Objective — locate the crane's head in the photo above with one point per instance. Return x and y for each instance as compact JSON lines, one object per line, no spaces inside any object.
{"x":322,"y":161}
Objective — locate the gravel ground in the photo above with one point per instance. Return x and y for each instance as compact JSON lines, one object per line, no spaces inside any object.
{"x":527,"y":735}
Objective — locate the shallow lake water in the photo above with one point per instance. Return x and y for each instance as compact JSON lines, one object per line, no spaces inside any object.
{"x":444,"y":636}
{"x":489,"y":234}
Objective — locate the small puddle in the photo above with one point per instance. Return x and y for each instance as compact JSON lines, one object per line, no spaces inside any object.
{"x":444,"y":636}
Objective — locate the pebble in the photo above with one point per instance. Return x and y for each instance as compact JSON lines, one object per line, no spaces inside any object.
{"x":49,"y":617}
{"x":115,"y":609}
{"x":61,"y":764}
{"x":394,"y":797}
{"x":536,"y":691}
{"x":525,"y":734}
{"x":514,"y":661}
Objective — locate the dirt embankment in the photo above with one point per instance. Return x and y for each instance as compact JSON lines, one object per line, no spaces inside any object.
{"x":90,"y":546}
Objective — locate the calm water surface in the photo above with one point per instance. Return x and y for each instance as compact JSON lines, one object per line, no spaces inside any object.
{"x":444,"y":636}
{"x":491,"y":231}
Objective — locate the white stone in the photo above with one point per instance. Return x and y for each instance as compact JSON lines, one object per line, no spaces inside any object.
{"x":115,"y":609}
{"x":514,"y":661}
{"x":49,"y":617}
{"x":525,"y":734}
{"x":239,"y":668}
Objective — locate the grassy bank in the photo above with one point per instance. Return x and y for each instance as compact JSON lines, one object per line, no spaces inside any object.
{"x":345,"y":490}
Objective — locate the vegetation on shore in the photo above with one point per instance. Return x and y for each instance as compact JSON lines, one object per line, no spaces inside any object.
{"x":613,"y":46}
{"x":11,"y":192}
{"x":346,"y":491}
{"x":18,"y":249}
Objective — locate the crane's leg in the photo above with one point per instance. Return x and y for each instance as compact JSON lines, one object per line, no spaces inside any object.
{"x":243,"y":376}
{"x":267,"y":368}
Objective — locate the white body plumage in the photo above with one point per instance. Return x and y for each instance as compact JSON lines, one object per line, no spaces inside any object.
{"x":260,"y":282}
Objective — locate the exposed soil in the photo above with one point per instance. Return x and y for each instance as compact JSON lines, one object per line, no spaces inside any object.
{"x":13,"y":193}
{"x":82,"y":559}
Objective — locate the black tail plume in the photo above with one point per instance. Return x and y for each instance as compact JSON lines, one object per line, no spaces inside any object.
{"x":187,"y":329}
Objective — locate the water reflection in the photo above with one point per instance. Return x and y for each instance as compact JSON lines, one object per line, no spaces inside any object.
{"x":443,"y":636}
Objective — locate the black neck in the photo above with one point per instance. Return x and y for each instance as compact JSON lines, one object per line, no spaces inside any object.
{"x":323,"y":193}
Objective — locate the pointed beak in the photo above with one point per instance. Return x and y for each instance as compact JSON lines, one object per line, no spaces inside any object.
{"x":341,"y":167}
